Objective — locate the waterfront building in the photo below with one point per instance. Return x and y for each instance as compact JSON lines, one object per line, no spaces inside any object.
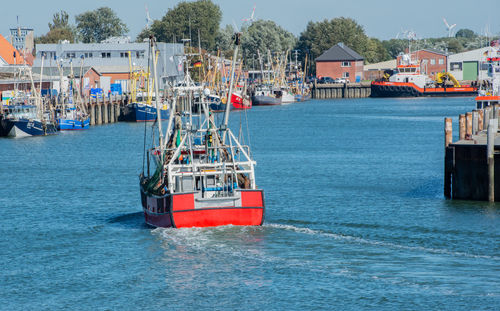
{"x":111,"y":58}
{"x":340,"y":61}
{"x":470,"y":65}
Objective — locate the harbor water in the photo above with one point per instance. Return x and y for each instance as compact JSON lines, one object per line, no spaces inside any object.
{"x":355,"y":220}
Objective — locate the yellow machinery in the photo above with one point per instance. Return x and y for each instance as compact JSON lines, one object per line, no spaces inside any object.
{"x":442,"y":77}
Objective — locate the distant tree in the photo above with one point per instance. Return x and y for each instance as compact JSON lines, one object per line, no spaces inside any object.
{"x":223,"y":39}
{"x":184,"y":21}
{"x":59,"y":20}
{"x":100,"y":24}
{"x":264,"y":35}
{"x":59,"y":30}
{"x":465,"y":33}
{"x":454,"y":46}
{"x":56,"y":35}
{"x":395,"y":46}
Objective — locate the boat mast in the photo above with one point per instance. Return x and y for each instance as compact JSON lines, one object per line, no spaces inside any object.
{"x":41,"y":75}
{"x":158,"y":111}
{"x":228,"y":101}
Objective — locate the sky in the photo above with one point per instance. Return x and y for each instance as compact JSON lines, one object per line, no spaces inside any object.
{"x":382,"y":19}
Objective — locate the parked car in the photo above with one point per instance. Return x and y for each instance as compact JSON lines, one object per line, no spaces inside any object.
{"x":341,"y":80}
{"x":326,"y":80}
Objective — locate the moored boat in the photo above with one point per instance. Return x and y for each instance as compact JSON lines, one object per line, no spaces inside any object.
{"x":408,"y":81}
{"x":489,"y":91}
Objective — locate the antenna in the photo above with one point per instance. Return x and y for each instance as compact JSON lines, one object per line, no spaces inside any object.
{"x":449,"y":27}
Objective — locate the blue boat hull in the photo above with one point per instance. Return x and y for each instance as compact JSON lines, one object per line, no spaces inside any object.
{"x":26,"y":127}
{"x":69,"y":124}
{"x":143,"y":113}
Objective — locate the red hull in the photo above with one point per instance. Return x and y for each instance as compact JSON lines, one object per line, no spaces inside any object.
{"x":180,"y":211}
{"x":238,"y":103}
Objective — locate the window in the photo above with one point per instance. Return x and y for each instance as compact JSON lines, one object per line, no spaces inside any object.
{"x":433,"y":61}
{"x":124,"y":54}
{"x":441,"y":61}
{"x":484,"y":66}
{"x":106,"y":55}
{"x":345,"y":75}
{"x":456,"y":66}
{"x":346,"y":64}
{"x":139,"y":54}
{"x":70,"y":55}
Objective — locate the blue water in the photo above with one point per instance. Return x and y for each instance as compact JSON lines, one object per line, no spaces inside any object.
{"x":355,"y":220}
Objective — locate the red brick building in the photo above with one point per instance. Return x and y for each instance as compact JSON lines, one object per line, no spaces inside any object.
{"x":431,"y":62}
{"x":340,"y":62}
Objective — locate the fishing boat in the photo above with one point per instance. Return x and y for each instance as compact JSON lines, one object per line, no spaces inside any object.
{"x":264,"y":96}
{"x":26,"y":114}
{"x":141,"y":107}
{"x":72,"y":115}
{"x":23,"y":119}
{"x":408,"y":81}
{"x":199,"y":174}
{"x":489,"y":91}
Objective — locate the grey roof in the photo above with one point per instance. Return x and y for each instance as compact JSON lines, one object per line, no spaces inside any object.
{"x":339,"y":52}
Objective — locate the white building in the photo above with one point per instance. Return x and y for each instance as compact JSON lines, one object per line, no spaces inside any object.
{"x":111,"y":59}
{"x":469,"y":66}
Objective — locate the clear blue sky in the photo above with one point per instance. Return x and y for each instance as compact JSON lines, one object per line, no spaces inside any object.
{"x":382,"y":19}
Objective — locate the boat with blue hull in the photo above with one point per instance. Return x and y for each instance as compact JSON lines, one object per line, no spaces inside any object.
{"x":141,"y":112}
{"x":69,"y":124}
{"x":22,"y":121}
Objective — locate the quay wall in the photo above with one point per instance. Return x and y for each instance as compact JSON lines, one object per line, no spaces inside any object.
{"x":341,"y":90}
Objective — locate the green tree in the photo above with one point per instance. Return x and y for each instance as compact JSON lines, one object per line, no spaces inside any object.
{"x":454,"y":46}
{"x":59,"y":30}
{"x":100,"y":24}
{"x":264,"y":35}
{"x":60,"y":20}
{"x":185,"y":21}
{"x":395,"y":46}
{"x":320,"y":36}
{"x":465,"y":33}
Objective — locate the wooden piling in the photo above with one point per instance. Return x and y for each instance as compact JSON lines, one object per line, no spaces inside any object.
{"x":92,"y":114}
{"x":480,"y":116}
{"x":492,"y":130}
{"x":468,"y":125}
{"x":461,"y":127}
{"x":475,"y":122}
{"x":98,"y":113}
{"x":105,"y":113}
{"x":448,"y":132}
{"x":448,"y":136}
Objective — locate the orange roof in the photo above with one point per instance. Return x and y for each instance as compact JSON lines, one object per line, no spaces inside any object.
{"x":7,"y":52}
